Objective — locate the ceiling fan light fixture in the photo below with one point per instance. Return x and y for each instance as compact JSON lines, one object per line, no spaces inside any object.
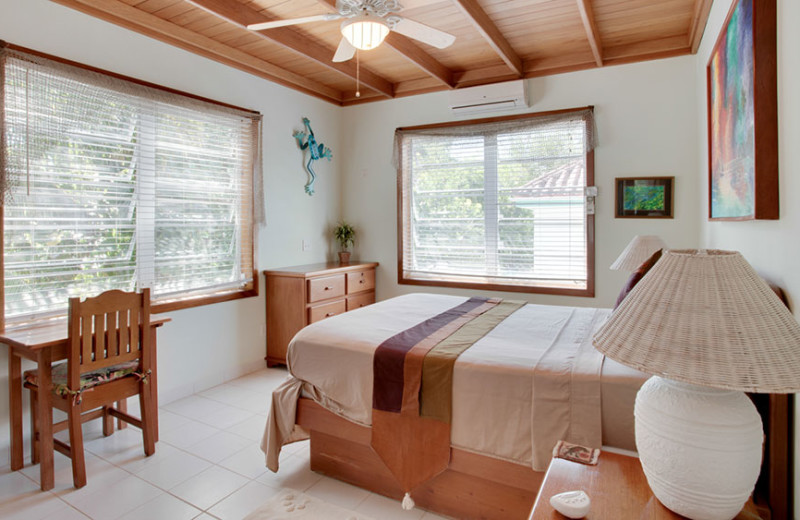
{"x":365,"y":31}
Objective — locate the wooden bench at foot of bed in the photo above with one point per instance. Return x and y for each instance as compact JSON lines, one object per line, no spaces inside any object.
{"x":474,"y":487}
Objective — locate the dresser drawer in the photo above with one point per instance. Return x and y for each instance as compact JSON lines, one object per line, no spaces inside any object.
{"x":326,"y":310}
{"x":325,"y":287}
{"x":360,"y":300}
{"x":360,"y":281}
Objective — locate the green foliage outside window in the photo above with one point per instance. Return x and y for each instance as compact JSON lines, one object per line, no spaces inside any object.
{"x":449,"y":190}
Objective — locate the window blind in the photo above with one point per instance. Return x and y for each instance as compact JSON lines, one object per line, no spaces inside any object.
{"x":120,"y":186}
{"x":500,"y":203}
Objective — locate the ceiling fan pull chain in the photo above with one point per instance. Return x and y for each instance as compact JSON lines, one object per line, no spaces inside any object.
{"x":358,"y":73}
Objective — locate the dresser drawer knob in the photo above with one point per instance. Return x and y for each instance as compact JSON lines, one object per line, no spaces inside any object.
{"x":330,"y":314}
{"x":328,"y":288}
{"x":361,"y":281}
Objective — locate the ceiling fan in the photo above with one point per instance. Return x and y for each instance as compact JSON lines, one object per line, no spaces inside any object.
{"x":366,"y":24}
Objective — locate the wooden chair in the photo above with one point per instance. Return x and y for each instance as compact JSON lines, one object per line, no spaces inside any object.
{"x":109,"y":360}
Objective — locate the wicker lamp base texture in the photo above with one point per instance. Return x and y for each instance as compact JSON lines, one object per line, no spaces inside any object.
{"x":700,"y":447}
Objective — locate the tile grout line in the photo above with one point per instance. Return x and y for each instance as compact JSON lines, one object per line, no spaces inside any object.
{"x":162,"y":491}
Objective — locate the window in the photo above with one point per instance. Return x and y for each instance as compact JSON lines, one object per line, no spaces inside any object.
{"x":112,"y":184}
{"x":498,"y":205}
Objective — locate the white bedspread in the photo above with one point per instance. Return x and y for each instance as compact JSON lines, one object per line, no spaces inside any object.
{"x":495,"y":382}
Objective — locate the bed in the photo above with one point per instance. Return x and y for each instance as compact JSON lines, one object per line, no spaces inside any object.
{"x":532,"y":380}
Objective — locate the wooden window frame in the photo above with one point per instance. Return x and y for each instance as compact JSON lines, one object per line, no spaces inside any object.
{"x":162,"y":305}
{"x":588,"y":292}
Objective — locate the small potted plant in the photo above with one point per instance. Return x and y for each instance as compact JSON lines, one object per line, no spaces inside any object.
{"x":346,"y":236}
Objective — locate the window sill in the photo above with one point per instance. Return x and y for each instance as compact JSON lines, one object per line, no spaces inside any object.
{"x":586,"y":292}
{"x":157,"y":307}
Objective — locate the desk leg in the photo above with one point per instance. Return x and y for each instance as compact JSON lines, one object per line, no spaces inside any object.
{"x":45,"y":411}
{"x":15,"y":409}
{"x":154,"y":381}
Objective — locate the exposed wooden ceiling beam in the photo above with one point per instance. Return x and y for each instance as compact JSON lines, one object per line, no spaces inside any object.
{"x":491,"y":34}
{"x":242,"y":16}
{"x":124,"y":15}
{"x":414,"y":53}
{"x":614,"y":55}
{"x":699,"y":20}
{"x":420,"y":58}
{"x":587,"y":16}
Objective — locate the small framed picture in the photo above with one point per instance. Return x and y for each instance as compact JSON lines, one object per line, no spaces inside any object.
{"x":644,"y":197}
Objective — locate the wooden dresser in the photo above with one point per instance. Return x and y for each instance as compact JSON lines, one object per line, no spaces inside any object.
{"x":300,"y":295}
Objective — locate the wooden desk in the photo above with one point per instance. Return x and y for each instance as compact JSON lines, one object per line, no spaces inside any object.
{"x":616,"y":486}
{"x":45,"y":344}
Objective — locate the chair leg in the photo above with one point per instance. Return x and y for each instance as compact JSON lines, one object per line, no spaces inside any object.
{"x":34,"y":395}
{"x":148,"y":424}
{"x":122,"y":406}
{"x":76,"y":446}
{"x":108,"y":422}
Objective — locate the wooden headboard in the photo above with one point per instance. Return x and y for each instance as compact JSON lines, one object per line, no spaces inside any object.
{"x":775,"y":486}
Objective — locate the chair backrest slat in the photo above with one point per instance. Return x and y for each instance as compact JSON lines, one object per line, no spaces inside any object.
{"x":146,"y":333}
{"x":134,"y":330}
{"x":124,"y":332}
{"x":100,"y":337}
{"x":111,"y":329}
{"x":106,"y":330}
{"x":74,"y":344}
{"x":88,"y":344}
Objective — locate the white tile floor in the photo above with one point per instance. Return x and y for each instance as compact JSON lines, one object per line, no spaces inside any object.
{"x":207,"y":465}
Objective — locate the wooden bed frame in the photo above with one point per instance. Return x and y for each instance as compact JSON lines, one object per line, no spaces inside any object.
{"x":479,"y":487}
{"x":473,"y":487}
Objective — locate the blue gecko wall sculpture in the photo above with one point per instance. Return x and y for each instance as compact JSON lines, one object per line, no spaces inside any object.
{"x":318,"y":151}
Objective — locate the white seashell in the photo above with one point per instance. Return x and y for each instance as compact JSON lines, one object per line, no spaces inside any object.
{"x":572,"y":504}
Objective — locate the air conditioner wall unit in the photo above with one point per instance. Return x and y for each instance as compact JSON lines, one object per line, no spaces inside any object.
{"x":497,"y":97}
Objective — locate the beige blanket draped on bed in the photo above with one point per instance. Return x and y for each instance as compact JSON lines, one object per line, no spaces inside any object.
{"x":567,"y":389}
{"x":533,"y":380}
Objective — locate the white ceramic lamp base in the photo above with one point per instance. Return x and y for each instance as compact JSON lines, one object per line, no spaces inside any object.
{"x":700,"y":447}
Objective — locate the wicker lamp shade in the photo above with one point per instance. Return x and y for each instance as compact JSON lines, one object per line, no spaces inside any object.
{"x":637,"y":251}
{"x":706,"y":318}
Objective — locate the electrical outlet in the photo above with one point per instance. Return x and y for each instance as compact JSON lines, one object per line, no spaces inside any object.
{"x":263,"y":330}
{"x":306,"y":244}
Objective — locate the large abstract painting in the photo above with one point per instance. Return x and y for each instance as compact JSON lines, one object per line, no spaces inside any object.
{"x":742,"y":115}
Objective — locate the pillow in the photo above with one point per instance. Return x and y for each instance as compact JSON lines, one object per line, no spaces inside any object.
{"x":636,"y":276}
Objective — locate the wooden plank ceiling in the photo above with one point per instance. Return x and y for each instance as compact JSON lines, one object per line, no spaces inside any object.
{"x":496,"y":40}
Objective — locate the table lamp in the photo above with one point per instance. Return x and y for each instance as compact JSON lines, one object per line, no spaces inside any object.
{"x":638,"y":250}
{"x":709,"y":329}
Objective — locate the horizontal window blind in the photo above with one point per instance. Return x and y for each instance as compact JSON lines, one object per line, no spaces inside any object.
{"x":117,"y":186}
{"x":499,"y":204}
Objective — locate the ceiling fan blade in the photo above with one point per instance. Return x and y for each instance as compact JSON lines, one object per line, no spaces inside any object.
{"x":424,"y":33}
{"x":413,"y":4}
{"x":344,"y":52}
{"x":293,"y":21}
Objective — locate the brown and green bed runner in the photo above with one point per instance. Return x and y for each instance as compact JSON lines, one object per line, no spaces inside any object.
{"x":413,"y":383}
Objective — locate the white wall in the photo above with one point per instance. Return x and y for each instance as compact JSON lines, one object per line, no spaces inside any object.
{"x":203,"y":346}
{"x":771,"y":246}
{"x":646,"y":120}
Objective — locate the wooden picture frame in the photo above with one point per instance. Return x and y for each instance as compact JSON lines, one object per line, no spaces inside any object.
{"x":644,"y":197}
{"x":741,"y":83}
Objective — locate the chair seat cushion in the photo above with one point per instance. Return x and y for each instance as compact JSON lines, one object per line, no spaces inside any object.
{"x":88,"y":379}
